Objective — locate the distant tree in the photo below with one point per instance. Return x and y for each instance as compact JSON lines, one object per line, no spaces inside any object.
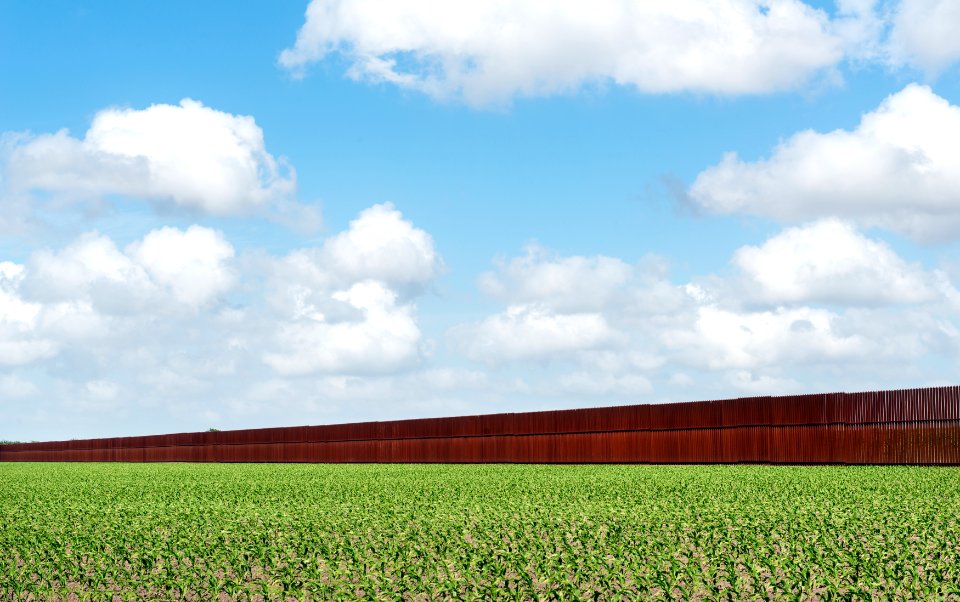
{"x":213,"y":430}
{"x":5,"y":442}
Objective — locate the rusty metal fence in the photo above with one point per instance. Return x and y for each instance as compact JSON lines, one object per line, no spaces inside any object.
{"x":913,"y":426}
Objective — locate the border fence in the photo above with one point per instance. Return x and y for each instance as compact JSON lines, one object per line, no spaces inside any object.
{"x":911,"y":426}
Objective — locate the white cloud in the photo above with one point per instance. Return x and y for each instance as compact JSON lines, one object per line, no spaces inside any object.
{"x":168,"y":266}
{"x":95,"y":397}
{"x":627,"y":327}
{"x":21,"y":352}
{"x":176,"y":324}
{"x":384,"y":339}
{"x":532,"y":332}
{"x":76,"y":322}
{"x":381,"y":245}
{"x":721,"y":338}
{"x":574,"y":308}
{"x":193,"y":264}
{"x":90,"y":294}
{"x":102,"y":390}
{"x":570,"y":283}
{"x":924,"y":34}
{"x":488,"y":52}
{"x":187,"y":155}
{"x":829,"y":261}
{"x":13,"y":310}
{"x":16,"y":387}
{"x":899,"y":169}
{"x":90,"y":268}
{"x":584,"y":284}
{"x":19,"y":344}
{"x":862,"y":25}
{"x":346,"y":306}
{"x":598,"y":312}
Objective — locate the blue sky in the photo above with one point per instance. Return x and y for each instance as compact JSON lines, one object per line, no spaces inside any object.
{"x":289,"y":213}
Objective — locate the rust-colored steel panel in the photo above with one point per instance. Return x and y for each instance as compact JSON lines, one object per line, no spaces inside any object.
{"x":916,"y":426}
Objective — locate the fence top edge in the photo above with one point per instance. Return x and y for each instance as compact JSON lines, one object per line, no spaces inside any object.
{"x":503,"y":415}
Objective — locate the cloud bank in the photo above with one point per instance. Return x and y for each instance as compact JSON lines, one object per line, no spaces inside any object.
{"x":806,"y":303}
{"x":179,"y":316}
{"x":178,"y":324}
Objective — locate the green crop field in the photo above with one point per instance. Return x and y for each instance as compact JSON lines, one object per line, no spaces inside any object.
{"x":318,"y":532}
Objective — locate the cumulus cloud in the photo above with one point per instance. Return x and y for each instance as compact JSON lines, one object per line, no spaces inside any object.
{"x":532,"y":332}
{"x":193,"y":264}
{"x":90,"y":292}
{"x":187,"y":155}
{"x":628,"y":331}
{"x":569,"y":283}
{"x":381,"y":245}
{"x":582,"y":284}
{"x":898,"y":169}
{"x":862,"y":25}
{"x":19,"y":343}
{"x":346,"y":306}
{"x":177,"y":324}
{"x":632,"y":321}
{"x":15,"y":311}
{"x":924,"y":34}
{"x":488,"y":52}
{"x":167,"y":267}
{"x":90,"y":268}
{"x":829,"y":261}
{"x":176,"y":321}
{"x":385,"y":338}
{"x":312,"y":337}
{"x":720,"y":338}
{"x":569,"y":308}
